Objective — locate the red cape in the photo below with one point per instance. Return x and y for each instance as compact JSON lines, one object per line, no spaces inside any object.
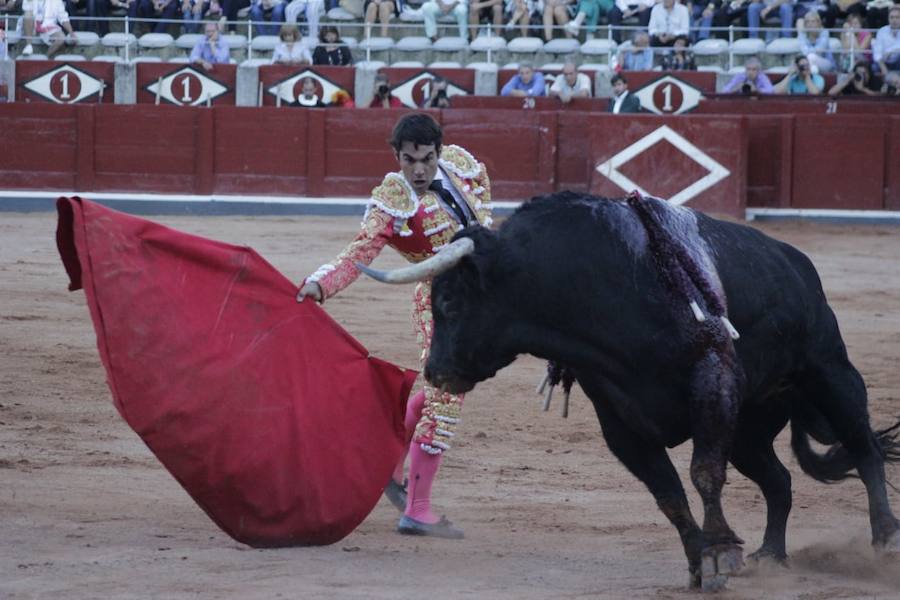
{"x":276,"y":422}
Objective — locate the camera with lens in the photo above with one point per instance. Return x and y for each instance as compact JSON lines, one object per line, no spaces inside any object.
{"x":858,"y":77}
{"x":382,"y":90}
{"x":746,"y":89}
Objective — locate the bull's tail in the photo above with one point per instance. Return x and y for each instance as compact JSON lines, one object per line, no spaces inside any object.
{"x":836,"y":464}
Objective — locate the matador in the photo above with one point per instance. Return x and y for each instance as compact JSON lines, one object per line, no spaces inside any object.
{"x":417,"y":211}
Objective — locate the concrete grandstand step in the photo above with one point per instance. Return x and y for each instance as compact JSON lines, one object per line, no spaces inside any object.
{"x":783,"y":46}
{"x":69,"y":58}
{"x":748,"y":46}
{"x":87,"y":39}
{"x":156,"y":41}
{"x":235,"y":41}
{"x":108,"y":58}
{"x":450,"y":44}
{"x":595,"y":67}
{"x":713,"y":69}
{"x":180,"y":59}
{"x":264,"y":43}
{"x":376,"y":44}
{"x":372,"y":65}
{"x":562,"y":46}
{"x":35,"y":56}
{"x":484,"y":43}
{"x":339,"y":14}
{"x":598,"y":47}
{"x":146,"y":59}
{"x":408,"y":64}
{"x":413,"y":44}
{"x":525,"y":45}
{"x":445,"y":64}
{"x":710,"y":47}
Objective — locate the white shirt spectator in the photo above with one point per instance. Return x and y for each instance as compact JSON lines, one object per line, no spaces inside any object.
{"x":561,"y":86}
{"x":298,"y":52}
{"x":617,"y":105}
{"x":624,"y":5}
{"x":49,"y":15}
{"x":674,"y":22}
{"x":886,"y":45}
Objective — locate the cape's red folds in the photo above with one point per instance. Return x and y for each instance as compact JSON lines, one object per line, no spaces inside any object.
{"x":277,"y":422}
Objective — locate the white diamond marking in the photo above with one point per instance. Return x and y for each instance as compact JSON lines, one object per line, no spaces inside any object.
{"x":717,"y":172}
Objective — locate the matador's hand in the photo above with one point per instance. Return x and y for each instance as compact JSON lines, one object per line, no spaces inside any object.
{"x":311,"y":289}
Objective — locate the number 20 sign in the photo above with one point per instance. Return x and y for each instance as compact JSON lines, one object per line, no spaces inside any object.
{"x":668,"y":95}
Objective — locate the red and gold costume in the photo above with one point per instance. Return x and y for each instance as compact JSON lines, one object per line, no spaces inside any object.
{"x":417,"y":227}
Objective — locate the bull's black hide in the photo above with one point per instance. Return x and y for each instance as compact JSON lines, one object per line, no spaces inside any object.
{"x":586,"y":282}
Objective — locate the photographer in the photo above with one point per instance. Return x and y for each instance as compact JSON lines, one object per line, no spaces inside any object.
{"x":861,"y":82}
{"x":800,"y":80}
{"x":383,"y":97}
{"x":751,"y":81}
{"x":438,"y":96}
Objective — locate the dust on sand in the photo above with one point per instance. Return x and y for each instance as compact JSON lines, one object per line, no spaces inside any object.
{"x":87,"y":511}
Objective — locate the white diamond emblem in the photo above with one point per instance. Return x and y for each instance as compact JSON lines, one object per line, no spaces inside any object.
{"x":187,"y":87}
{"x":65,"y":85}
{"x":717,"y":172}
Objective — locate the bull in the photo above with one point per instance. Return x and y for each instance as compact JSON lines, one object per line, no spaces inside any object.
{"x":677,"y":326}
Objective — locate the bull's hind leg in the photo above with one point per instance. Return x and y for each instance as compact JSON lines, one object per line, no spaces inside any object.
{"x":714,"y":411}
{"x":838,"y":391}
{"x":651,"y":464}
{"x":753,"y":455}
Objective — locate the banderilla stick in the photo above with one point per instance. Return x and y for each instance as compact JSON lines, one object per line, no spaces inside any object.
{"x":547,"y":398}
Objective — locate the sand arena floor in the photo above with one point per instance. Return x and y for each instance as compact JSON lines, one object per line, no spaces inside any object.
{"x":87,"y":512}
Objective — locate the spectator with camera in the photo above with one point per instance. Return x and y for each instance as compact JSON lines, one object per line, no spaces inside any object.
{"x":800,"y":80}
{"x":331,"y":50}
{"x":570,"y":84}
{"x":886,"y":47}
{"x":526,"y":83}
{"x":437,"y":97}
{"x":383,"y":97}
{"x":668,"y":20}
{"x":861,"y":82}
{"x":291,"y":50}
{"x":211,"y":50}
{"x":625,"y":9}
{"x":751,"y":81}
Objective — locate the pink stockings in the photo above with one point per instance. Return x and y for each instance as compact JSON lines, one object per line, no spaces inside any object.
{"x":423,"y":467}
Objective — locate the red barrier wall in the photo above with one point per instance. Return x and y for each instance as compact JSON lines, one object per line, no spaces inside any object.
{"x":821,"y":161}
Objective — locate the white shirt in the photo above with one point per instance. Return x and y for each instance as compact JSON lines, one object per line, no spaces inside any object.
{"x":673,"y":22}
{"x":617,"y":105}
{"x":296,"y":53}
{"x":560,"y":85}
{"x":448,"y":185}
{"x":49,"y":15}
{"x":886,"y":42}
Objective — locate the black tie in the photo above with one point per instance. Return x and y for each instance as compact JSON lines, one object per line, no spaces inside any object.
{"x":449,"y":200}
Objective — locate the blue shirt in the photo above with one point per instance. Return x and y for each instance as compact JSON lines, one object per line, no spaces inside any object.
{"x":797,"y":86}
{"x":638,"y":60}
{"x":535,"y":88}
{"x":214,"y":55}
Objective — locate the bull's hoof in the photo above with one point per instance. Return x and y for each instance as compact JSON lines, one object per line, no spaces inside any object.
{"x":891,"y":546}
{"x":717,"y":563}
{"x":766,"y":556}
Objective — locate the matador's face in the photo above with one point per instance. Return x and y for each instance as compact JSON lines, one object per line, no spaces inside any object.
{"x":419,"y":165}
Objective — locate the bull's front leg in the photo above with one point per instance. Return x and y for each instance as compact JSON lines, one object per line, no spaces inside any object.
{"x":715,"y":403}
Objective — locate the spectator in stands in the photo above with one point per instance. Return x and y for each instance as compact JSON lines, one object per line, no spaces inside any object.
{"x":211,"y":50}
{"x":751,"y":81}
{"x":625,"y":9}
{"x":861,"y":82}
{"x":724,"y":14}
{"x":804,"y":7}
{"x":331,"y":50}
{"x":383,"y":10}
{"x":638,"y":56}
{"x":3,"y":56}
{"x":590,"y":11}
{"x":433,"y":9}
{"x":267,"y":10}
{"x":886,"y":47}
{"x":521,"y":12}
{"x":759,"y":10}
{"x":856,"y":43}
{"x":892,"y":84}
{"x":668,"y":20}
{"x":622,"y":101}
{"x":230,"y":10}
{"x":159,"y":10}
{"x":837,"y":10}
{"x":801,"y":80}
{"x":191,"y":14}
{"x":490,"y":11}
{"x":291,"y":50}
{"x":437,"y":96}
{"x":311,"y":9}
{"x":383,"y":96}
{"x":555,"y":10}
{"x":51,"y":23}
{"x":570,"y":84}
{"x":94,"y":9}
{"x":309,"y":96}
{"x":814,"y":43}
{"x":680,"y":58}
{"x":524,"y":84}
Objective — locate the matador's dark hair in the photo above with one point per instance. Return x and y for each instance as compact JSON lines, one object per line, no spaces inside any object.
{"x":419,"y":128}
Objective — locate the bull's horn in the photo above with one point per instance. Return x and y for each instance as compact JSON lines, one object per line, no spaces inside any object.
{"x":440,"y":262}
